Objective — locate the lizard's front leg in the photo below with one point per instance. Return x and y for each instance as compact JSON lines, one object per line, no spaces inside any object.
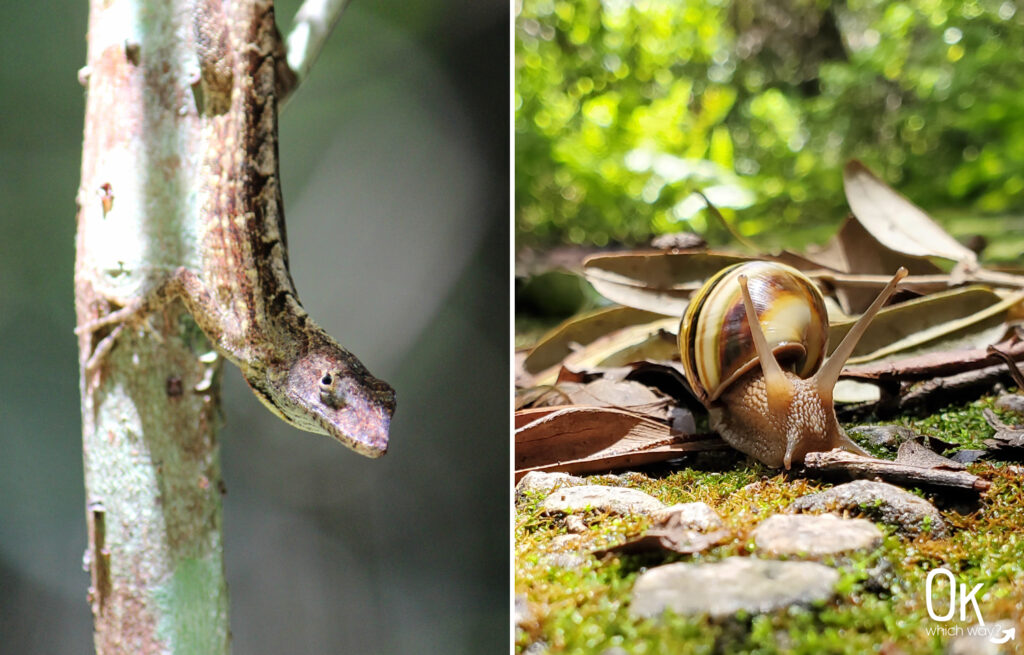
{"x":182,"y":284}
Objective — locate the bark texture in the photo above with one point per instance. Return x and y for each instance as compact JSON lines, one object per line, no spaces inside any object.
{"x":150,"y":408}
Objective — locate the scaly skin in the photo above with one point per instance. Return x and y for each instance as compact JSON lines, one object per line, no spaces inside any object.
{"x":783,"y":432}
{"x":241,"y":294}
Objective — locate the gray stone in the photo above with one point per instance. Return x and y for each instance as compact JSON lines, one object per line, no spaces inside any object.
{"x":620,"y":480}
{"x":617,"y":500}
{"x":563,"y":560}
{"x":682,"y":528}
{"x":879,"y":501}
{"x":545,"y":483}
{"x":565,"y":541}
{"x":815,"y":535}
{"x":522,"y":610}
{"x":692,"y":516}
{"x":564,"y":552}
{"x":977,"y":640}
{"x":721,"y":589}
{"x":1011,"y":402}
{"x":537,"y":648}
{"x":887,"y":436}
{"x":575,"y":524}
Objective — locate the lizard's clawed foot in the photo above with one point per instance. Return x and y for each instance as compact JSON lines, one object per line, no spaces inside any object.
{"x":136,"y":313}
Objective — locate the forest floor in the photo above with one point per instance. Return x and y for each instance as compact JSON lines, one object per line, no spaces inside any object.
{"x":570,"y":601}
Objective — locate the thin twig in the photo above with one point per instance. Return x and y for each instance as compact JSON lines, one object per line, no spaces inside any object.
{"x":1015,"y":372}
{"x":870,"y":468}
{"x":313,"y":24}
{"x":744,"y":241}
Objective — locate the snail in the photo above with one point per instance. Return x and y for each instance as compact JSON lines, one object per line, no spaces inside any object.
{"x":765,"y":380}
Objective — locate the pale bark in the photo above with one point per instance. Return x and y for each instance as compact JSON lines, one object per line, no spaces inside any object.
{"x":149,"y":411}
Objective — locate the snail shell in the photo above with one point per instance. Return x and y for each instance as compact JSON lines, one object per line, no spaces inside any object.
{"x":753,"y":343}
{"x":716,"y":337}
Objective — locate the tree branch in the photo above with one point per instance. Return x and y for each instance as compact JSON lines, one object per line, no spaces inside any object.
{"x":313,"y":24}
{"x":150,"y":408}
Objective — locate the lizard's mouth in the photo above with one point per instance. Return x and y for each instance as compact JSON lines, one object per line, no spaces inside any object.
{"x":362,"y":426}
{"x":356,"y":414}
{"x":332,"y":393}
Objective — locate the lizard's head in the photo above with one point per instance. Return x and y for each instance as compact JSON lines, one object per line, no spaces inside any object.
{"x":329,"y":391}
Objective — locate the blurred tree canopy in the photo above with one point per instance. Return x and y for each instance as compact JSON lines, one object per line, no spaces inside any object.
{"x":623,"y":108}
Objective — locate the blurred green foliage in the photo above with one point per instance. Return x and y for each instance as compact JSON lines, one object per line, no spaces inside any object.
{"x":624,"y":108}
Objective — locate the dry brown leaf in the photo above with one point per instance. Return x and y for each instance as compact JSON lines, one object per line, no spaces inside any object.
{"x":655,"y":281}
{"x":897,"y":223}
{"x":855,"y":250}
{"x":955,"y":319}
{"x":931,"y":365}
{"x":579,"y":331}
{"x":916,"y":454}
{"x":622,"y":394}
{"x":649,"y":341}
{"x":587,"y":439}
{"x":1007,"y":436}
{"x":668,"y":539}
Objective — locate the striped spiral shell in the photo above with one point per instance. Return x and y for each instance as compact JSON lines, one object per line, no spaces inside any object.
{"x":714,"y":336}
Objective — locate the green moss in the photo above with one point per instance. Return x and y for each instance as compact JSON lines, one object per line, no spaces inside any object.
{"x":963,"y":425}
{"x":880,"y":601}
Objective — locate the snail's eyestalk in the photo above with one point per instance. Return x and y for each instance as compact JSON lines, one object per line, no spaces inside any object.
{"x":774,"y":379}
{"x":779,"y":389}
{"x":828,"y":375}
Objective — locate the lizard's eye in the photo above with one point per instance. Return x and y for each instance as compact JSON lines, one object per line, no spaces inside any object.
{"x":330,"y":395}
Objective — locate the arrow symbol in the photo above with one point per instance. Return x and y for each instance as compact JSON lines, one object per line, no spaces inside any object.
{"x":1008,"y":634}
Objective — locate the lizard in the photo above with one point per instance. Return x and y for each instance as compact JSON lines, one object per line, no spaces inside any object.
{"x":241,"y":294}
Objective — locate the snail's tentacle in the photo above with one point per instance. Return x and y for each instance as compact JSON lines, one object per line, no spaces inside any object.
{"x":775,"y":381}
{"x":828,"y":375}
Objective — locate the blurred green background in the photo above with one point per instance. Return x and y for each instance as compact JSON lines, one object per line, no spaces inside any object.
{"x":394,"y":161}
{"x":623,"y":109}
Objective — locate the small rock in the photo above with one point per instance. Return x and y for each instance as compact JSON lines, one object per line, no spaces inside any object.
{"x":682,"y":528}
{"x":563,"y":560}
{"x":879,"y":577}
{"x":976,"y":640}
{"x":565,"y":541}
{"x":735,"y":584}
{"x":522,"y":610}
{"x":537,"y":648}
{"x":574,"y":523}
{"x":887,"y":436}
{"x":617,"y":500}
{"x":1011,"y":402}
{"x":815,"y":535}
{"x":630,"y":477}
{"x":540,"y":482}
{"x":879,"y":501}
{"x":691,"y":516}
{"x":681,"y":420}
{"x":661,"y":540}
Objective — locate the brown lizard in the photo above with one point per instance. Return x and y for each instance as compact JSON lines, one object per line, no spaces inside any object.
{"x":241,"y":293}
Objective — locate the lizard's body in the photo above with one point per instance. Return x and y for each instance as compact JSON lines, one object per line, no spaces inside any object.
{"x":242,"y":295}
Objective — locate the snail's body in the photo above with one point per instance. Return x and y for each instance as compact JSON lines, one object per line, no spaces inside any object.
{"x":765,"y":430}
{"x":741,"y":329}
